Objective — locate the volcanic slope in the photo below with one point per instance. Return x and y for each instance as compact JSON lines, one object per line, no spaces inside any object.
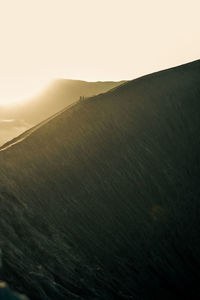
{"x":103,"y":201}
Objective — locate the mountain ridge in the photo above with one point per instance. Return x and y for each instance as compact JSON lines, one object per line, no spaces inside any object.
{"x":55,"y":97}
{"x":121,"y":85}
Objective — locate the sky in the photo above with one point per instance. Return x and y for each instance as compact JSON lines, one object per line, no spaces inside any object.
{"x":91,"y":40}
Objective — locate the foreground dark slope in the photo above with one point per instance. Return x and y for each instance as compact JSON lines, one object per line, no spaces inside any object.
{"x":103,"y":201}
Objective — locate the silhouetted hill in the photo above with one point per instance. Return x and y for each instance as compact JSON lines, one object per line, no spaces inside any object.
{"x":102,"y":201}
{"x":59,"y":94}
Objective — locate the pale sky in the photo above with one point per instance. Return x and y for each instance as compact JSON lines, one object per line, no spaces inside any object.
{"x":92,"y":40}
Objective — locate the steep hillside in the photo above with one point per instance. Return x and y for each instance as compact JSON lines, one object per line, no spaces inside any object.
{"x":103,"y":201}
{"x":59,"y":94}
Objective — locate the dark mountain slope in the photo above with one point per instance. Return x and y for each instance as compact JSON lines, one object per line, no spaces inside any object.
{"x":60,"y":93}
{"x":102,"y":202}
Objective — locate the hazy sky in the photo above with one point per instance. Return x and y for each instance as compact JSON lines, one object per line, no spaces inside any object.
{"x":92,"y":40}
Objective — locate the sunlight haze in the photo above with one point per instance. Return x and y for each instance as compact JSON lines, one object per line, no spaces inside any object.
{"x":91,"y":40}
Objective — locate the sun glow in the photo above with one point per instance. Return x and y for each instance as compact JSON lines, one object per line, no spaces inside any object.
{"x":19,"y":92}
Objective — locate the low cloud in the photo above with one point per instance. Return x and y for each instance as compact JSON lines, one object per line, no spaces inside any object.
{"x":10,"y":128}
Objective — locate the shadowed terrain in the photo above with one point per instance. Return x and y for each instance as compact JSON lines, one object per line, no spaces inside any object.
{"x":59,"y":94}
{"x":103,"y":200}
